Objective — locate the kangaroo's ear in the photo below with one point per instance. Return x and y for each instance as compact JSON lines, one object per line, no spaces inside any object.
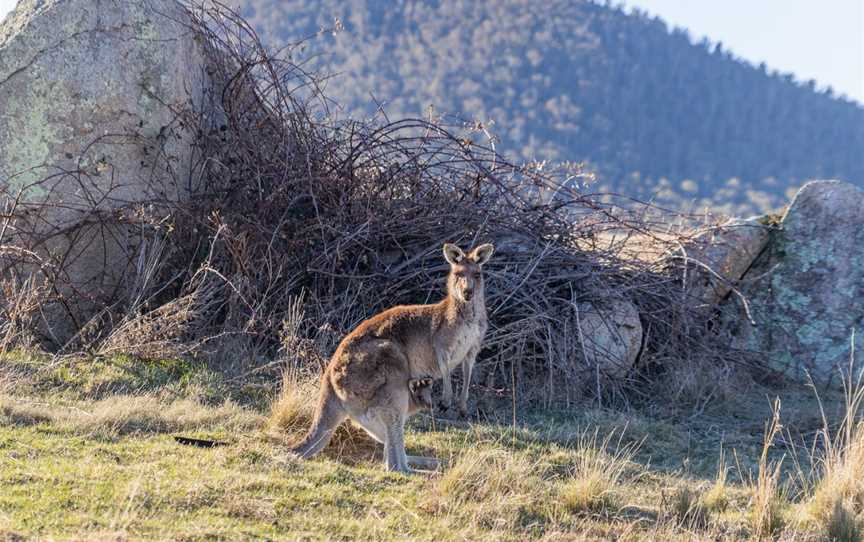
{"x":482,"y":253}
{"x":453,"y":254}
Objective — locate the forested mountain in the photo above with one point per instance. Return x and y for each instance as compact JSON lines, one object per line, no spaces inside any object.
{"x":653,"y":113}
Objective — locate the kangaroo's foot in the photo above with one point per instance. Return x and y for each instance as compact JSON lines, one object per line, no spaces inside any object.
{"x":425,"y":463}
{"x":401,"y":469}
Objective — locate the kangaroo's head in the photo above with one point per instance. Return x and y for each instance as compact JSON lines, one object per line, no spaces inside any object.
{"x":465,"y":281}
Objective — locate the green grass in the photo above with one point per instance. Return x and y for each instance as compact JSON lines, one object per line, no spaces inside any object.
{"x":86,"y":452}
{"x":59,"y":483}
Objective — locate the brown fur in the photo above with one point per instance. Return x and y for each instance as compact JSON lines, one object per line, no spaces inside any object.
{"x":376,"y":375}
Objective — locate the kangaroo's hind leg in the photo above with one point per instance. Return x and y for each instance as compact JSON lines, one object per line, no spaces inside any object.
{"x":394,"y":449}
{"x":377,"y":430}
{"x":381,"y":426}
{"x":329,"y":413}
{"x":386,"y":425}
{"x":376,"y":426}
{"x":394,"y":444}
{"x":372,"y":425}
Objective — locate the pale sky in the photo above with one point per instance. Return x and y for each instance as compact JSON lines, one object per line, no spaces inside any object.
{"x":814,"y":39}
{"x":818,"y":39}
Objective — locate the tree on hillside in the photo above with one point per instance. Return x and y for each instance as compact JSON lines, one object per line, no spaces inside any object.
{"x":582,"y":81}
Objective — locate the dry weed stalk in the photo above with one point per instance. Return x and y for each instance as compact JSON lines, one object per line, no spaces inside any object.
{"x":20,"y":307}
{"x":769,"y":498}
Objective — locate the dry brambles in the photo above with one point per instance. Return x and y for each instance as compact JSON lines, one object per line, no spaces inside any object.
{"x":286,"y":201}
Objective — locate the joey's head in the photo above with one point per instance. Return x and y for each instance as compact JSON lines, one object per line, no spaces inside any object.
{"x":465,"y":281}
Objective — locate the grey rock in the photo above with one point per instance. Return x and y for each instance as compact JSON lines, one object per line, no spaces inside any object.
{"x":807,"y":291}
{"x":611,"y":336}
{"x":88,"y":121}
{"x":73,"y":72}
{"x":719,"y":257}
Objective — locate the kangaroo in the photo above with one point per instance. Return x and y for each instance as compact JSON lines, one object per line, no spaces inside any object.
{"x":376,"y":375}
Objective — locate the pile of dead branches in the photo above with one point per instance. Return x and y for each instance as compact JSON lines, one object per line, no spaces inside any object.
{"x":298,"y":225}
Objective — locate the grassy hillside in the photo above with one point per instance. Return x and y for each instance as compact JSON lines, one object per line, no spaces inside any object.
{"x":86,"y":452}
{"x":652,"y":112}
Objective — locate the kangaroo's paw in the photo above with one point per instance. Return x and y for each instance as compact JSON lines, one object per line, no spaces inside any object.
{"x":421,"y":391}
{"x":418,"y":384}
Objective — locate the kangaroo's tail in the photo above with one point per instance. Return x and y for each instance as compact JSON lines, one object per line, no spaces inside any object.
{"x":328,"y":415}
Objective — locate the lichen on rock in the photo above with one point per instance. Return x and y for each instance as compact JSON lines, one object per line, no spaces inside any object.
{"x":90,"y":123}
{"x":806,"y":291}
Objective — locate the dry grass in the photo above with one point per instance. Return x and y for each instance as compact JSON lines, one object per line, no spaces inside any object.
{"x":489,"y":474}
{"x":836,"y":496}
{"x":686,"y":508}
{"x":843,"y":524}
{"x":574,"y":480}
{"x":564,"y":476}
{"x":716,"y":499}
{"x":769,"y":502}
{"x":597,"y":472}
{"x":493,"y":489}
{"x":20,"y":303}
{"x":292,"y":410}
{"x":155,"y":334}
{"x":121,"y":415}
{"x":842,"y":480}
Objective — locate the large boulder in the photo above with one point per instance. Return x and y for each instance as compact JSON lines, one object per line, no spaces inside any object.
{"x":610,"y":335}
{"x":98,"y":114}
{"x":78,"y":72}
{"x":807,"y":290}
{"x":719,"y":257}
